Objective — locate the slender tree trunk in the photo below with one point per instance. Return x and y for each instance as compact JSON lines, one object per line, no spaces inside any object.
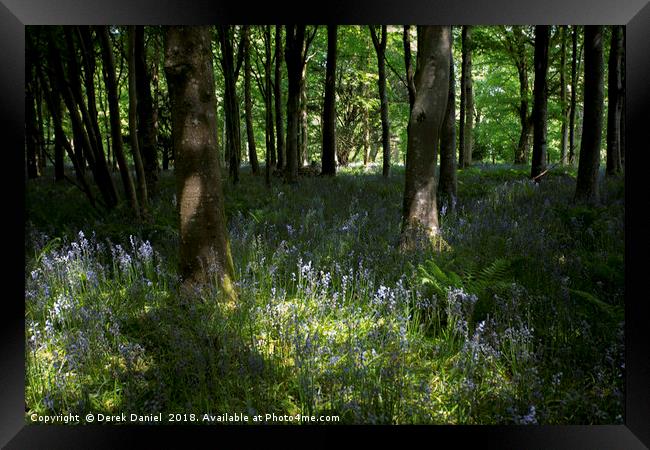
{"x":565,"y":110}
{"x":99,"y":164}
{"x":303,"y":137}
{"x":230,"y":69}
{"x":380,"y":48}
{"x":540,"y":106}
{"x":31,"y":132}
{"x":133,"y":121}
{"x":574,"y":89}
{"x":146,"y":124}
{"x":293,"y":57}
{"x":40,"y":135}
{"x":622,"y":126}
{"x":420,"y":214}
{"x":204,"y":248}
{"x":525,"y":119}
{"x":268,"y":106}
{"x":279,"y":119}
{"x":447,"y":183}
{"x":329,"y":106}
{"x":366,"y":137}
{"x":614,"y":102}
{"x":114,"y":108}
{"x":592,"y":125}
{"x":59,"y":135}
{"x":466,"y":101}
{"x":406,"y":40}
{"x":248,"y":106}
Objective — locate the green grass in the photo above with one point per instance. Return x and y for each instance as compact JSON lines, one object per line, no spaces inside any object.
{"x":518,"y":320}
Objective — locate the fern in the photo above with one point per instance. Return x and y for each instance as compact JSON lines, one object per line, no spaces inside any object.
{"x":496,"y":277}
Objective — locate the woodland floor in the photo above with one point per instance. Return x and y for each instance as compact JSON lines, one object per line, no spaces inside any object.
{"x":516,"y":317}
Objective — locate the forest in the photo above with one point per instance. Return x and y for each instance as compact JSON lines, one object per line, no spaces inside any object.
{"x":352,"y":224}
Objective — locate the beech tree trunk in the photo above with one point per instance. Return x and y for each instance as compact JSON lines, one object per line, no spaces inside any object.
{"x":133,"y":120}
{"x":270,"y":160}
{"x":277,"y":86}
{"x":295,"y":61}
{"x":565,"y":107}
{"x":380,"y":48}
{"x":540,"y":105}
{"x":248,"y":106}
{"x":230,"y":68}
{"x":146,"y":120}
{"x":592,"y":124}
{"x":204,"y":248}
{"x":113,"y":106}
{"x":329,"y":106}
{"x":614,"y":102}
{"x":574,"y":89}
{"x":447,"y":183}
{"x":420,"y":214}
{"x":466,"y":101}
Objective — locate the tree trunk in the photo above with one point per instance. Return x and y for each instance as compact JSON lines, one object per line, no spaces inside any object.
{"x":447,"y":183}
{"x":466,"y":100}
{"x":574,"y":88}
{"x":406,"y":41}
{"x":204,"y":248}
{"x":248,"y":106}
{"x":293,"y":57}
{"x":420,"y":214}
{"x":614,"y":102}
{"x":329,"y":105}
{"x":303,"y":137}
{"x":380,"y":48}
{"x":31,"y":132}
{"x":565,"y":110}
{"x":145,"y":111}
{"x":525,"y":119}
{"x":268,"y":107}
{"x":231,"y":103}
{"x":279,"y":119}
{"x":114,"y":108}
{"x":622,"y":126}
{"x":133,"y":121}
{"x":59,"y":135}
{"x":99,"y":164}
{"x":540,"y":106}
{"x":592,"y":125}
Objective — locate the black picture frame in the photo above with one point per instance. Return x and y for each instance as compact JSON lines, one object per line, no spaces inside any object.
{"x":15,"y":14}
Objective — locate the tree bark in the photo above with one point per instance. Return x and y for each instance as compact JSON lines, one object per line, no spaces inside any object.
{"x":420,"y":214}
{"x":466,"y":100}
{"x":380,"y":48}
{"x":277,"y":86}
{"x":145,"y":111}
{"x":329,"y":106}
{"x":614,"y":102}
{"x":303,"y":136}
{"x":31,"y":132}
{"x":230,"y":69}
{"x":540,"y":105}
{"x":295,"y":62}
{"x":204,"y":249}
{"x":447,"y":183}
{"x":114,"y":109}
{"x":565,"y":110}
{"x":592,"y":125}
{"x":268,"y":107}
{"x":248,"y":106}
{"x":133,"y":121}
{"x":622,"y":126}
{"x":406,"y":40}
{"x":574,"y":89}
